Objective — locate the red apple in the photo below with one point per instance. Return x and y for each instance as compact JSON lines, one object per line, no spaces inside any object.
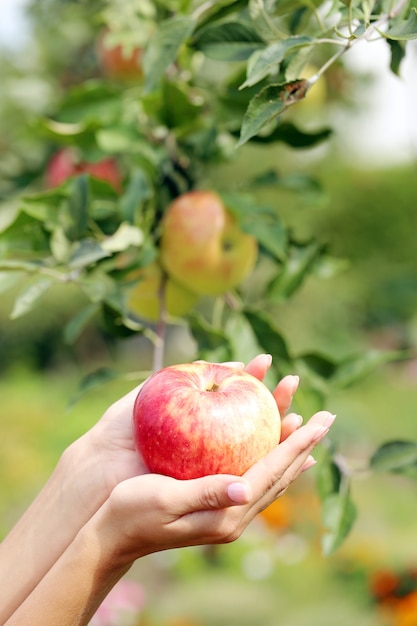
{"x":203,"y":246}
{"x":118,"y":62}
{"x":200,"y":418}
{"x":65,"y":163}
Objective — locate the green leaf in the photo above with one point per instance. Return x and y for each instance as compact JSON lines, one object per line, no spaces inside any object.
{"x":338,"y":515}
{"x":329,"y":477}
{"x":228,"y":41}
{"x":91,"y":103}
{"x":358,"y":366}
{"x":164,"y":47}
{"x":213,"y":344}
{"x":299,"y":264}
{"x":289,"y":134}
{"x":93,"y":380}
{"x":9,"y":279}
{"x":397,"y":55}
{"x":29,"y":297}
{"x":60,"y":245}
{"x":78,"y":208}
{"x":263,"y":62}
{"x":269,"y":338}
{"x":403,"y":30}
{"x":77,"y":324}
{"x":138,"y":191}
{"x":263,"y":22}
{"x":319,"y":364}
{"x":395,"y":456}
{"x":268,"y":104}
{"x":124,"y":237}
{"x":261,"y":222}
{"x":86,"y":253}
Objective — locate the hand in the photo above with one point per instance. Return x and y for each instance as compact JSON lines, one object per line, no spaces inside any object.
{"x":150,"y":513}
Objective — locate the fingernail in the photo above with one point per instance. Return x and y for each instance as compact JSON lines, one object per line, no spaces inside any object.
{"x":269,"y":359}
{"x":329,"y":420}
{"x":320,"y":432}
{"x":310,"y":461}
{"x":298,"y":419}
{"x":238,"y":492}
{"x":296,"y":382}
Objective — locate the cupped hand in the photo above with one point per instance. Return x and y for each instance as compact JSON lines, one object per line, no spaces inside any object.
{"x":151,"y":513}
{"x":111,"y":442}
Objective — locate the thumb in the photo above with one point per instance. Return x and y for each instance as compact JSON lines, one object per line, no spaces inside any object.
{"x":215,"y":492}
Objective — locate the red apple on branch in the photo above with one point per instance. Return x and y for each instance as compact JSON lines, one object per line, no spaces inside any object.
{"x":203,"y":246}
{"x":65,"y":163}
{"x":116,"y":61}
{"x":200,"y":418}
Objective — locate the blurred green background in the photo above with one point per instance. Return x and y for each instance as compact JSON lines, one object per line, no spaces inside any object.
{"x":276,"y":573}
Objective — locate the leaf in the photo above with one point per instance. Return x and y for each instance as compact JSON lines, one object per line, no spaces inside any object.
{"x":13,"y":265}
{"x":268,"y":104}
{"x":264,"y":61}
{"x":138,"y":191}
{"x":91,"y":381}
{"x":261,"y":222}
{"x":9,"y":279}
{"x":60,"y":245}
{"x":77,"y":324}
{"x":29,"y":297}
{"x":395,"y":456}
{"x":338,"y":515}
{"x":212,"y":343}
{"x":403,"y":30}
{"x":163,"y":48}
{"x":228,"y":41}
{"x":78,"y":208}
{"x":329,"y":477}
{"x":319,"y":364}
{"x":269,"y":338}
{"x":86,"y":253}
{"x":8,"y":214}
{"x":397,"y":55}
{"x":294,"y":137}
{"x":300,"y":263}
{"x":263,"y":21}
{"x":358,"y":366}
{"x":124,"y":237}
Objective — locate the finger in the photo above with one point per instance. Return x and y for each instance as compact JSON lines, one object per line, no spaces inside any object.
{"x":259,"y":366}
{"x":284,"y":392}
{"x":209,"y":493}
{"x":288,"y":457}
{"x":289,"y":424}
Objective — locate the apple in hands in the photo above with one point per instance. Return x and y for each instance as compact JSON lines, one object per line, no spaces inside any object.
{"x":203,"y":246}
{"x":196,"y":419}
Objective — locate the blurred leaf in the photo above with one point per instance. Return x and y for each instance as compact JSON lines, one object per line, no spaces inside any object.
{"x":92,"y":102}
{"x":77,"y":324}
{"x":78,"y":208}
{"x":357,"y":367}
{"x":8,"y":213}
{"x":86,"y":253}
{"x":403,"y":29}
{"x":289,"y":134}
{"x":319,"y":364}
{"x":21,"y":266}
{"x":297,"y":267}
{"x":261,"y":222}
{"x":398,"y":457}
{"x":178,"y":109}
{"x":338,"y":515}
{"x":9,"y":279}
{"x":329,"y":478}
{"x":60,"y":245}
{"x":269,"y":338}
{"x":261,"y":63}
{"x":163,"y":48}
{"x":397,"y":55}
{"x":29,"y":297}
{"x":228,"y":41}
{"x":263,"y":21}
{"x":138,"y":191}
{"x":268,"y":104}
{"x":93,"y":380}
{"x":125,"y":236}
{"x":213,"y":344}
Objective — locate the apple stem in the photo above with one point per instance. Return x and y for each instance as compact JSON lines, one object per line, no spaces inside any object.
{"x":159,"y":345}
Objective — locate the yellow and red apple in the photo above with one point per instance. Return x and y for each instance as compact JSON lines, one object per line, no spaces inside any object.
{"x":203,"y":246}
{"x":144,"y":300}
{"x":200,"y":418}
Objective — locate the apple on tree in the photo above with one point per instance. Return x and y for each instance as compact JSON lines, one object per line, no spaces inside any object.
{"x":202,"y":245}
{"x":143,"y":298}
{"x":119,"y":62}
{"x":65,"y":163}
{"x":200,"y":418}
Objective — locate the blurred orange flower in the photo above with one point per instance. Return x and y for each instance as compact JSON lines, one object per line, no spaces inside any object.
{"x":278,"y":514}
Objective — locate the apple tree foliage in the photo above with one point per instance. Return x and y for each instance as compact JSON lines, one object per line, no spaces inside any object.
{"x":215,"y":77}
